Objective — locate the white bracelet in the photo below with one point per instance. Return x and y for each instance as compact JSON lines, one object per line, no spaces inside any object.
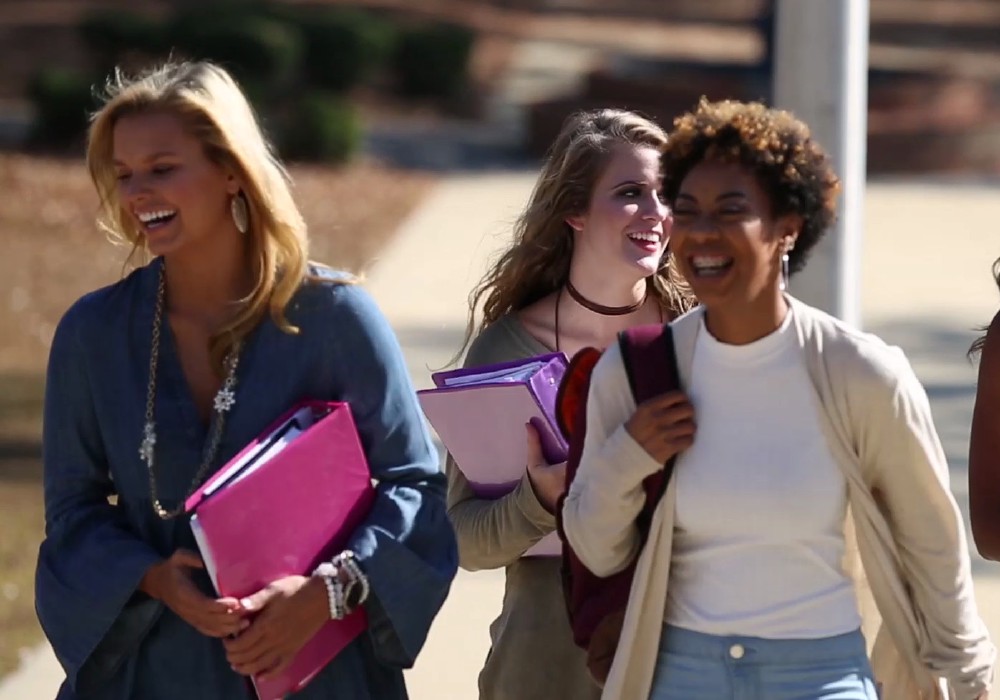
{"x":330,"y":575}
{"x":340,"y":608}
{"x":337,"y":592}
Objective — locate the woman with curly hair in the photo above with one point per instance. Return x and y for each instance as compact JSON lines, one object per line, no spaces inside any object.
{"x":810,"y":491}
{"x":588,"y":259}
{"x":984,"y":443}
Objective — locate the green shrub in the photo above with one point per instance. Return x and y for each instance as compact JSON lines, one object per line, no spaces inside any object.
{"x":63,"y":101}
{"x":344,"y":47}
{"x":433,"y":61}
{"x":110,"y":35}
{"x":321,"y":128}
{"x":257,"y":49}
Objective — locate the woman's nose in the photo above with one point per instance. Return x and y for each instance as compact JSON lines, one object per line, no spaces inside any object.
{"x":655,"y":210}
{"x":133,"y":188}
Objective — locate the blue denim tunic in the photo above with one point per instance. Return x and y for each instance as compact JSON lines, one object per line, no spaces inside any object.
{"x":116,"y":643}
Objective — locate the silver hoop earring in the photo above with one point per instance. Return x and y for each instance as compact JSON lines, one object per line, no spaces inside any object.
{"x":240,"y":211}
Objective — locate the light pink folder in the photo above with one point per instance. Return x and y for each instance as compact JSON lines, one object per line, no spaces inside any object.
{"x":287,"y":501}
{"x":482,"y":426}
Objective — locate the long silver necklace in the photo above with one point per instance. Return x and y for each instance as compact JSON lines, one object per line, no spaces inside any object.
{"x":225,"y":399}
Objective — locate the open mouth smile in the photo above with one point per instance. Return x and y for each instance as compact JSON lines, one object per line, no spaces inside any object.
{"x":708,"y":266}
{"x":647,"y":240}
{"x":159,"y":218}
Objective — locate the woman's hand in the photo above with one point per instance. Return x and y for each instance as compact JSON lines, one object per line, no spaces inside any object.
{"x":170,"y":582}
{"x":663,"y":425}
{"x":548,"y":481}
{"x":287,"y":614}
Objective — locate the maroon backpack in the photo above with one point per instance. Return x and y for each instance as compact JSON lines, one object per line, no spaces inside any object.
{"x":596,"y":604}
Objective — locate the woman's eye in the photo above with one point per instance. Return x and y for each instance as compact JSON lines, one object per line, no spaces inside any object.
{"x":162,"y":169}
{"x":630,"y":193}
{"x":122,"y":177}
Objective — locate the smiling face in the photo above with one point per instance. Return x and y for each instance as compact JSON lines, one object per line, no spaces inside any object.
{"x":626,"y":224}
{"x":726,"y":241}
{"x":166,"y":184}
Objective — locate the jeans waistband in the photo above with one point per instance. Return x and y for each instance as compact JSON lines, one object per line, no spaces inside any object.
{"x":759,"y":650}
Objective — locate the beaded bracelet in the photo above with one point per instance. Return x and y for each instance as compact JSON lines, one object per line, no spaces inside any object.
{"x":339,"y":594}
{"x":330,"y":575}
{"x":348,"y":561}
{"x":339,"y":607}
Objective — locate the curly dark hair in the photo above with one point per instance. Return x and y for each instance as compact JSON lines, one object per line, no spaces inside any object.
{"x":980,"y":342}
{"x":793,"y":169}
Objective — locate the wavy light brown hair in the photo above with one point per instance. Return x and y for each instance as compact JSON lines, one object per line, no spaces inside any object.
{"x":537,"y":262}
{"x":793,"y":169}
{"x":214,"y":110}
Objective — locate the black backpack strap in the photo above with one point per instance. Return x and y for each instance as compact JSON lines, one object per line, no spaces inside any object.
{"x":651,"y":365}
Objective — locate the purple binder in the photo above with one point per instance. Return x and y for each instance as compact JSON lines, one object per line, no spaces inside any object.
{"x":480,"y":413}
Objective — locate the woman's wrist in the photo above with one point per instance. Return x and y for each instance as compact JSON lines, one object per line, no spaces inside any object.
{"x":150,"y":581}
{"x":316,"y":595}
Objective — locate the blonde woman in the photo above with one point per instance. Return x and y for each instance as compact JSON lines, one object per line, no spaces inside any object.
{"x":588,"y":259}
{"x":810,"y":492}
{"x":157,"y":380}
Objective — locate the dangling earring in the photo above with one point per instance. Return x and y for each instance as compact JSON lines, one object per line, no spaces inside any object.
{"x":240,"y":211}
{"x":783,"y":285}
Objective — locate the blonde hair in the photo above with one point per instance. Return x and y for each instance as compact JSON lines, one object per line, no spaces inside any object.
{"x":537,"y":262}
{"x":214,"y":110}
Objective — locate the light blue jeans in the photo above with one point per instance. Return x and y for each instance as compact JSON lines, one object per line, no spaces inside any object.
{"x":696,"y":666}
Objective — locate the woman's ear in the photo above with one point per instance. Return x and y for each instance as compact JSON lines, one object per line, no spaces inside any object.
{"x":789,"y":228}
{"x":575,"y":222}
{"x":233,"y":183}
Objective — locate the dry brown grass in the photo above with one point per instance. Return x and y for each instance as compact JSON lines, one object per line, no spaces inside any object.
{"x":51,"y":252}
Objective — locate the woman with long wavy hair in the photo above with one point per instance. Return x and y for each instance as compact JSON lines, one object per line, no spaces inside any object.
{"x":984,"y":442}
{"x":588,"y":259}
{"x":159,"y":379}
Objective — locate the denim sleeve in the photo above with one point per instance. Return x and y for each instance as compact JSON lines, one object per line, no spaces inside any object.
{"x":90,"y":562}
{"x":406,"y":546}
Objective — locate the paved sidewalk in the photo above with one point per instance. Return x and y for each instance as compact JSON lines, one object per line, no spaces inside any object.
{"x":422,"y":284}
{"x":925,"y":285}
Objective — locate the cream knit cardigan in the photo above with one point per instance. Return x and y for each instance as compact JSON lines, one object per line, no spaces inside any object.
{"x":906,"y":547}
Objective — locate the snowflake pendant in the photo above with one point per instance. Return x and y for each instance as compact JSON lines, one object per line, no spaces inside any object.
{"x":148,"y":441}
{"x":224,"y":400}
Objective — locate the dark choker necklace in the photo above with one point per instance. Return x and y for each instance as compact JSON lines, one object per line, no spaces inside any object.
{"x":600,"y":308}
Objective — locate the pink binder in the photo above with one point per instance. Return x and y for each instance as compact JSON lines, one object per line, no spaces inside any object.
{"x":480,"y":413}
{"x":289,"y":500}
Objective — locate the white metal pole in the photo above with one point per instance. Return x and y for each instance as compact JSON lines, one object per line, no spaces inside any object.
{"x":821,"y":75}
